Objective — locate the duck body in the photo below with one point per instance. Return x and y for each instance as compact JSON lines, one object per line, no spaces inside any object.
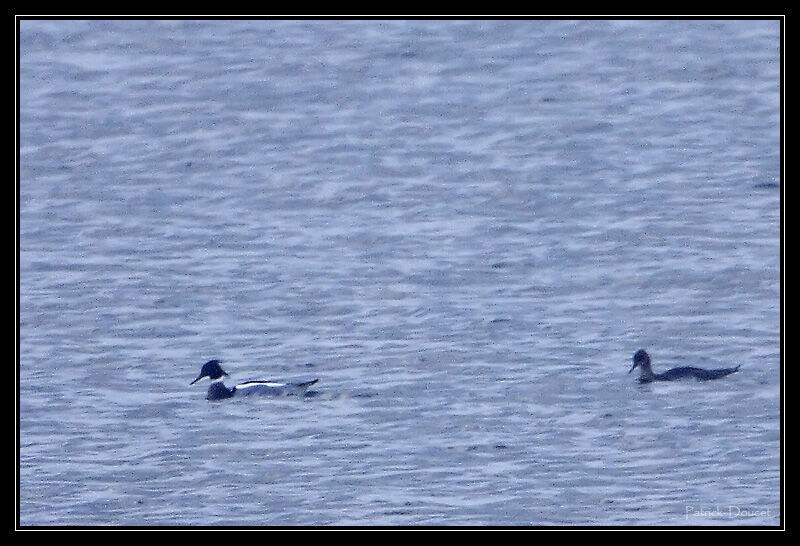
{"x":218,"y":391}
{"x":642,"y":360}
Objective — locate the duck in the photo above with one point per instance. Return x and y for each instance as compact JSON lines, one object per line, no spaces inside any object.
{"x":642,"y":360}
{"x":218,"y":391}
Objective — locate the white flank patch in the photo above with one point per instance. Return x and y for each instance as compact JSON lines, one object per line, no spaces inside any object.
{"x":260,"y":383}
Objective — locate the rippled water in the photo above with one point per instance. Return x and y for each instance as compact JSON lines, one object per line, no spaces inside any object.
{"x":463,"y":228}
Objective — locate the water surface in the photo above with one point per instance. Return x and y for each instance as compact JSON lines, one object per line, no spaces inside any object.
{"x":464,"y":228}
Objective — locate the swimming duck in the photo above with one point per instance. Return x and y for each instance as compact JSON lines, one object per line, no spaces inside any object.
{"x":642,"y":360}
{"x":218,"y":391}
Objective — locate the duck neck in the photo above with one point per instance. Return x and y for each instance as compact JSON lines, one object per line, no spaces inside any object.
{"x":646,"y":373}
{"x":218,"y":391}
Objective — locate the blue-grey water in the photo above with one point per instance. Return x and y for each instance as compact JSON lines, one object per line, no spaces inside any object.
{"x":464,"y":228}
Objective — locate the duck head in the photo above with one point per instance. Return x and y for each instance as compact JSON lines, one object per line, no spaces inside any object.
{"x":210,"y":369}
{"x":641,"y":358}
